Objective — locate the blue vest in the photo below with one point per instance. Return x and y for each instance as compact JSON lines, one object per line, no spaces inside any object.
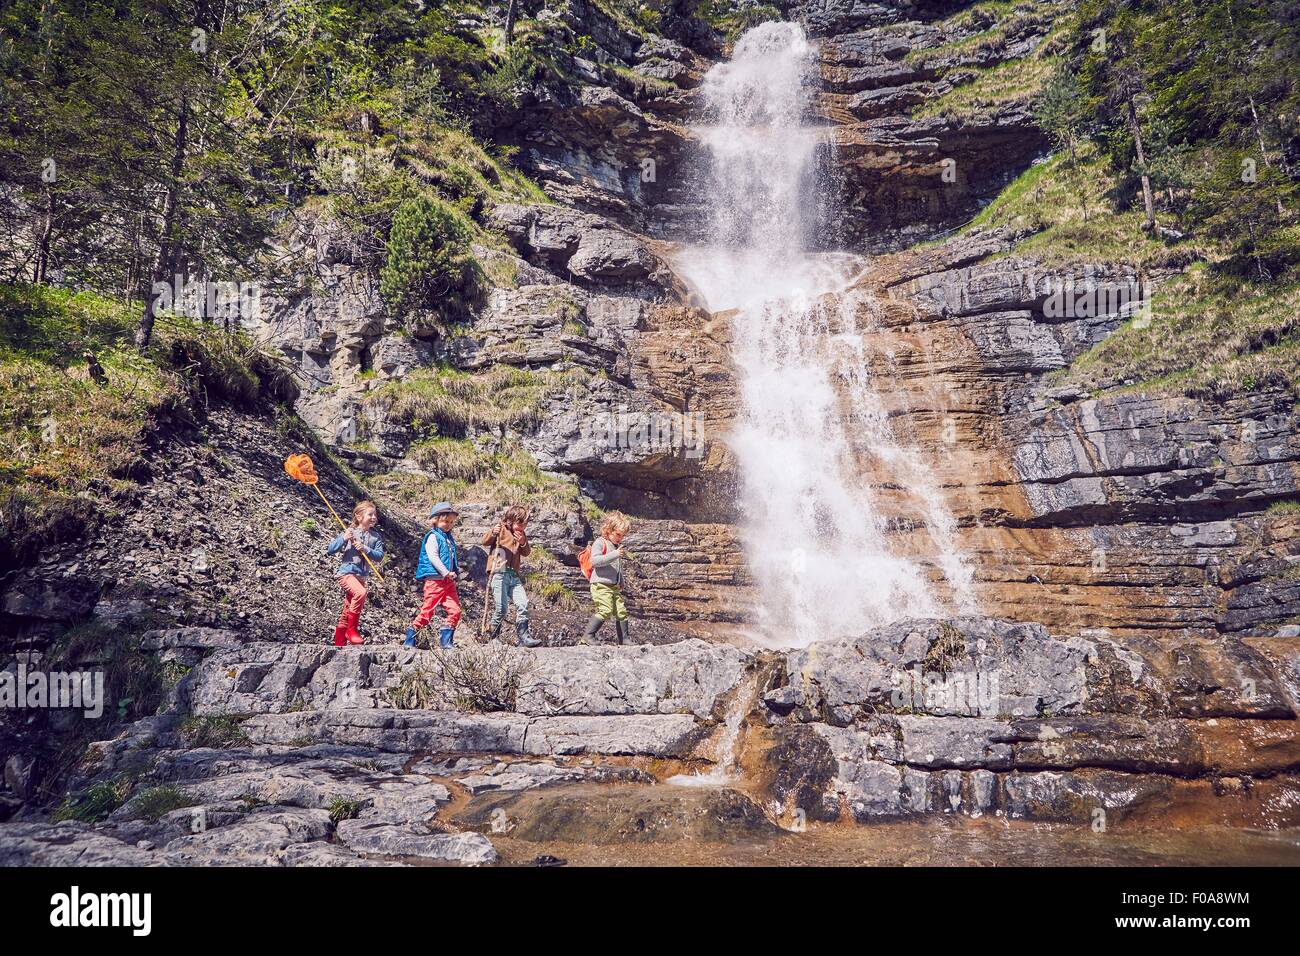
{"x":446,"y":554}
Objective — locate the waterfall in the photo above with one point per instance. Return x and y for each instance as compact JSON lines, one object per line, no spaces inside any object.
{"x":819,"y":537}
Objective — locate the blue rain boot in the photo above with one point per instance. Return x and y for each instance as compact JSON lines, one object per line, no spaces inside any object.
{"x":444,"y":637}
{"x":410,"y":637}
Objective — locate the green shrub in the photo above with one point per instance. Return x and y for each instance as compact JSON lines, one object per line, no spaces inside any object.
{"x":94,"y":803}
{"x":157,"y":802}
{"x":215,"y":732}
{"x":428,"y":262}
{"x":342,"y":809}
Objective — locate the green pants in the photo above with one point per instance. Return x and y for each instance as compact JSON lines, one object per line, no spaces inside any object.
{"x":608,"y":599}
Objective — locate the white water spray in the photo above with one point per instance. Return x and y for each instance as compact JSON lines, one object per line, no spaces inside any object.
{"x":816,"y":532}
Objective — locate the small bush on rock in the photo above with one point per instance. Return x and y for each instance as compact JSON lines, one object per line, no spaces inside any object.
{"x":481,"y":679}
{"x":428,"y":262}
{"x":94,"y":803}
{"x":214,"y":732}
{"x":157,"y":802}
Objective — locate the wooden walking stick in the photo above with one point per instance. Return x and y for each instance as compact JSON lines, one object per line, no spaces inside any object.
{"x":301,"y":468}
{"x":487,"y":596}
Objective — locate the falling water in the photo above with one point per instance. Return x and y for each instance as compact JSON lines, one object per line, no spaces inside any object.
{"x":816,"y":532}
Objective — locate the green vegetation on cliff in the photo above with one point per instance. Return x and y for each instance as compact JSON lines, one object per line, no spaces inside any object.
{"x":1176,"y":137}
{"x":456,"y":403}
{"x":978,"y":89}
{"x":145,"y":139}
{"x":81,"y":408}
{"x":1204,"y":339}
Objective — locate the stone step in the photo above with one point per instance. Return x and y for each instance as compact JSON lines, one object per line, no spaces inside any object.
{"x":453,"y":732}
{"x":690,"y":677}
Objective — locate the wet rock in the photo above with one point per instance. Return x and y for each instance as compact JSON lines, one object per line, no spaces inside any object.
{"x":937,"y":742}
{"x":802,"y":765}
{"x":67,"y":844}
{"x":1083,"y":798}
{"x":611,"y":814}
{"x":364,"y":836}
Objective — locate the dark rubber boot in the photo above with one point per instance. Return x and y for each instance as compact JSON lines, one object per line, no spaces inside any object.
{"x":622,"y":628}
{"x":521,"y":635}
{"x":589,"y":637}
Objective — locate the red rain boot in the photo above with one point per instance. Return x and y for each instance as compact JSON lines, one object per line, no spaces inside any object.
{"x":340,"y":636}
{"x":353,"y":635}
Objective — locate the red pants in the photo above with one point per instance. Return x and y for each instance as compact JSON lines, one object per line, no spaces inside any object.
{"x":354,"y":597}
{"x":438,"y":591}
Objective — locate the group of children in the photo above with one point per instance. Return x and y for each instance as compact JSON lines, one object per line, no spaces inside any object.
{"x":439,"y":569}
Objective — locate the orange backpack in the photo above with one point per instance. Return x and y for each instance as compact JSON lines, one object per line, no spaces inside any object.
{"x":584,"y":561}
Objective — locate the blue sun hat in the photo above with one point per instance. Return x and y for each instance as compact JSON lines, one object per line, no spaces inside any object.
{"x":443,"y":508}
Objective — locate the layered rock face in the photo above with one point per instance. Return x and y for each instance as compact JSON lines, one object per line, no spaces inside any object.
{"x":900,"y":175}
{"x":983,"y":717}
{"x":1144,"y":514}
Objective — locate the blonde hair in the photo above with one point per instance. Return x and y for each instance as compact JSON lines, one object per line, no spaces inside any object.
{"x":614,"y":521}
{"x":363,"y":506}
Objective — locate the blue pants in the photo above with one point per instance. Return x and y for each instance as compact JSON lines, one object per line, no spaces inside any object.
{"x":507,"y":587}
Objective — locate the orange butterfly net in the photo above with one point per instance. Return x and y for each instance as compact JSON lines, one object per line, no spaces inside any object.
{"x":301,"y":468}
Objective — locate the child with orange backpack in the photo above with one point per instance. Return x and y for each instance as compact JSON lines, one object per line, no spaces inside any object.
{"x":357,"y":542}
{"x":602,"y":563}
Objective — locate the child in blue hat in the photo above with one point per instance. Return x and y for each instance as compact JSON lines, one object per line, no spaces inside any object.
{"x":438,"y":568}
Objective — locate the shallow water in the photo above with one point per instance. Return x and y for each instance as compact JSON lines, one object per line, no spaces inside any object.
{"x":944,"y":842}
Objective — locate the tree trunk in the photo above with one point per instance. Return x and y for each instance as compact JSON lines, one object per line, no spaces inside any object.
{"x":510,"y":21}
{"x":1148,"y":200}
{"x":1263,"y":149}
{"x":42,"y":266}
{"x":163,"y":263}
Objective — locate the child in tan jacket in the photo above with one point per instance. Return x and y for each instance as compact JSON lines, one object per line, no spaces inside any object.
{"x":508,"y":541}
